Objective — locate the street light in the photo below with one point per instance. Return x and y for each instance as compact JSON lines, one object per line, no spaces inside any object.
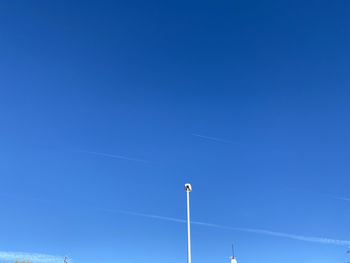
{"x":188,"y":189}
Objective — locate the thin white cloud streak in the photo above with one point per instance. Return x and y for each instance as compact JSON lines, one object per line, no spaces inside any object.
{"x":31,"y":257}
{"x":321,"y":240}
{"x":281,"y":234}
{"x":213,"y":138}
{"x":172,"y":219}
{"x":342,"y":198}
{"x":117,"y":156}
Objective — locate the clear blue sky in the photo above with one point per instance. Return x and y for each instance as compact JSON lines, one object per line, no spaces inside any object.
{"x":114,"y":105}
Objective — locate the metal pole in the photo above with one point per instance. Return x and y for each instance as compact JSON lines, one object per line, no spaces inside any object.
{"x":188,"y":229}
{"x":188,"y":189}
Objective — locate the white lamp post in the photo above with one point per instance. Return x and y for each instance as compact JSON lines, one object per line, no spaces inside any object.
{"x":188,"y":189}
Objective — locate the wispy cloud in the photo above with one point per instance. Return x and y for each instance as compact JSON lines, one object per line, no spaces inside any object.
{"x":321,"y":240}
{"x":116,"y":156}
{"x":31,"y":257}
{"x":213,"y":138}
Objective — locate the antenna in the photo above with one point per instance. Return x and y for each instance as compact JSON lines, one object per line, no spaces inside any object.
{"x":67,"y":259}
{"x":232,"y":258}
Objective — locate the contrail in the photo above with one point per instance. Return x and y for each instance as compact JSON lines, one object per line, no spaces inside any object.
{"x":281,"y":234}
{"x":172,"y":219}
{"x":321,"y":240}
{"x":53,"y":259}
{"x":116,"y":156}
{"x":31,"y":257}
{"x":213,"y":138}
{"x":342,"y":198}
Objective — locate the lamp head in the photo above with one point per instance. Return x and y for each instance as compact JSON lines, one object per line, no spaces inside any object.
{"x":188,"y":188}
